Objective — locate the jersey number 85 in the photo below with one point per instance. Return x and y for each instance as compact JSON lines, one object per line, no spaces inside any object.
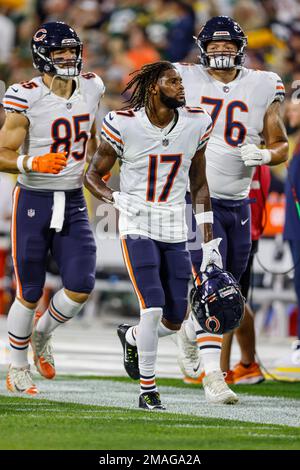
{"x":63,"y":132}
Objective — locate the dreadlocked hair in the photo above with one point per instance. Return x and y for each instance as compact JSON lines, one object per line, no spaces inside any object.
{"x":142,"y":80}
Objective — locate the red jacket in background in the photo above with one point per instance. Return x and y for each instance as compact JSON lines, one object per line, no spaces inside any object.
{"x":259,"y":191}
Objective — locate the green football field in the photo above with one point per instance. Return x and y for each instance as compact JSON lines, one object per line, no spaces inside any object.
{"x":74,"y":413}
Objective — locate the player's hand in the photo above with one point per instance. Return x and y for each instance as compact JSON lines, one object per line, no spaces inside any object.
{"x":211,"y":254}
{"x":123,"y":203}
{"x":253,"y":156}
{"x":49,"y":163}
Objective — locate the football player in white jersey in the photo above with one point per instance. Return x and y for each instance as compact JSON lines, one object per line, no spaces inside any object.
{"x":245,"y":108}
{"x":51,"y":118}
{"x":161,"y":147}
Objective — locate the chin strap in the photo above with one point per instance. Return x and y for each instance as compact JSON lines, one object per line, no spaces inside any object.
{"x":62,"y":76}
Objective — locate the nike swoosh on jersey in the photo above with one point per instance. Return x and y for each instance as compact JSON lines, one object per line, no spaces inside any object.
{"x":243,"y":222}
{"x":110,"y":117}
{"x":195,"y":369}
{"x":15,"y":90}
{"x":81,"y":209}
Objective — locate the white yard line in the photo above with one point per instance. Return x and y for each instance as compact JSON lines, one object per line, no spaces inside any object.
{"x":253,"y":409}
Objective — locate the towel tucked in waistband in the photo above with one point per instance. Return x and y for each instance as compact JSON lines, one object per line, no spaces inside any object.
{"x":58,"y":210}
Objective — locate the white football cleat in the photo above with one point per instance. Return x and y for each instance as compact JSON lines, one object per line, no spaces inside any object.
{"x":19,"y":380}
{"x":216,"y":389}
{"x":188,"y":355}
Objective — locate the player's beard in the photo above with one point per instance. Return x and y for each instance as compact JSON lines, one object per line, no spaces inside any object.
{"x":171,"y":103}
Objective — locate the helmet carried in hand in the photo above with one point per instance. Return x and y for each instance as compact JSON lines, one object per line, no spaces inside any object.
{"x":217,"y":303}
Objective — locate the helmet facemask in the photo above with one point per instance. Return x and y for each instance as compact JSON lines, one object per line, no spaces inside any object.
{"x":222,"y":60}
{"x":65,"y":68}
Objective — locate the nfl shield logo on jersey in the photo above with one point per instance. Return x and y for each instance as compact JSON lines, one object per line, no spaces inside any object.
{"x":31,"y":212}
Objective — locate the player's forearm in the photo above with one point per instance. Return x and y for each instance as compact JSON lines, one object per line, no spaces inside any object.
{"x":202,"y":208}
{"x":94,"y":183}
{"x":8,"y":161}
{"x":279,"y":152}
{"x":92,"y":147}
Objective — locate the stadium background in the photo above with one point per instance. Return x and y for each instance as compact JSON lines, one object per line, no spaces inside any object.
{"x":119,"y":37}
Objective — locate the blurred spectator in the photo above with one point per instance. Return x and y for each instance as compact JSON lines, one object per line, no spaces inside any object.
{"x":249,"y":14}
{"x":125,"y":13}
{"x":140,"y":50}
{"x":85,"y":14}
{"x":7,"y":35}
{"x":180,"y":35}
{"x":6,"y":188}
{"x":53,"y":10}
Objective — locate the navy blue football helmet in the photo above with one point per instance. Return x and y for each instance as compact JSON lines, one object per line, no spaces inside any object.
{"x":217,"y":303}
{"x":222,"y":28}
{"x":53,"y":36}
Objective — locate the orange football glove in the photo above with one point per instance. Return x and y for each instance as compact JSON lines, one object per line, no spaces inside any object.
{"x":49,"y":163}
{"x":106,"y":177}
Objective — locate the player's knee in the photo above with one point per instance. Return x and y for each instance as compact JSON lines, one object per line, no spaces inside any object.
{"x":78,"y":297}
{"x":82,"y":285}
{"x":175,"y":313}
{"x":30,"y":305}
{"x":171,"y":325}
{"x":32,"y":294}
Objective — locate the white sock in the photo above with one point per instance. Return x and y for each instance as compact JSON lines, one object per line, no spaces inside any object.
{"x":60,"y":310}
{"x":210,"y":361}
{"x":210,"y":346}
{"x":190,"y":327}
{"x":164,"y":331}
{"x":132,"y":332}
{"x":19,"y":323}
{"x":147,"y":342}
{"x":130,"y":335}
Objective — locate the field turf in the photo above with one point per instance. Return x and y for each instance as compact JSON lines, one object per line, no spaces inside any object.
{"x":49,"y":424}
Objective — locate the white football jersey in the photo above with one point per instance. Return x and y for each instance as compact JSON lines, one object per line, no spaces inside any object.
{"x":56,"y":124}
{"x":237,"y":110}
{"x":155,"y":168}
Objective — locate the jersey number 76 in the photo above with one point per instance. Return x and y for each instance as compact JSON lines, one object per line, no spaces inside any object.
{"x":235,"y":132}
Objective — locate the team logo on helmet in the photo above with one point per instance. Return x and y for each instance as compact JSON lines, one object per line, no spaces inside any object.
{"x":212,"y":324}
{"x":40,"y":35}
